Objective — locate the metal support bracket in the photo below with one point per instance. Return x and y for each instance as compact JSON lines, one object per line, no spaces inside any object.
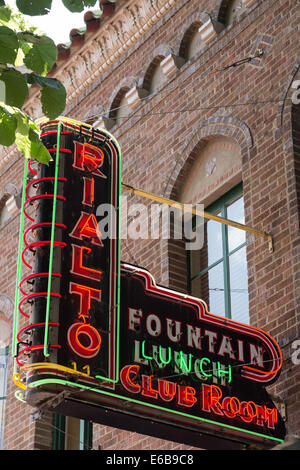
{"x":206,"y":215}
{"x":52,"y":402}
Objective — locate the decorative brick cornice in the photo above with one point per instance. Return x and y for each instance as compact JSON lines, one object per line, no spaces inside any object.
{"x":98,"y":52}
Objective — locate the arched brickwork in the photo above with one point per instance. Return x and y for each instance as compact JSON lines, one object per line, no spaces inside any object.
{"x":6,"y":312}
{"x":224,"y":11}
{"x":215,"y":126}
{"x":118,"y":93}
{"x":158,"y":54}
{"x":228,"y":127}
{"x":187,"y":31}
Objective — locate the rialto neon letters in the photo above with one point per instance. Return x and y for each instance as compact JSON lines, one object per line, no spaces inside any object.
{"x":126,"y":351}
{"x":84,"y":339}
{"x":71,"y":262}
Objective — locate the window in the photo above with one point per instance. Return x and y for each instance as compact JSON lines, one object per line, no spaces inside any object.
{"x":191,"y":42}
{"x":218,"y":272}
{"x":71,"y":433}
{"x":123,"y":110}
{"x":154,"y":76}
{"x":232,"y":10}
{"x":158,"y":79}
{"x":3,"y":382}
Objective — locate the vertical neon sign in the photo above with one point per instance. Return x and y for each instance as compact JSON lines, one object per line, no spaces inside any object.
{"x":172,"y":351}
{"x":71,"y":292}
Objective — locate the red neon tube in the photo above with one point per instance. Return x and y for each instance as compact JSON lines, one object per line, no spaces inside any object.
{"x":61,"y":150}
{"x":32,"y":276}
{"x":29,"y":167}
{"x":41,"y":224}
{"x":39,"y":244}
{"x":30,"y":296}
{"x":54,"y":132}
{"x":34,"y":325}
{"x":32,"y":348}
{"x":41,"y":180}
{"x":33,"y":198}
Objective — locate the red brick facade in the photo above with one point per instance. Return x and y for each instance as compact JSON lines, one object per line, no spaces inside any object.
{"x":250,"y":104}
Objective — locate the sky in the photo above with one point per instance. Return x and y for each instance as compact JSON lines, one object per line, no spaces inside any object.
{"x":58,"y":23}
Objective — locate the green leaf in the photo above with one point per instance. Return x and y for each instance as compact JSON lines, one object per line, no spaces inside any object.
{"x":31,"y":148}
{"x":8,"y":126}
{"x":15,"y":126}
{"x":78,"y":5}
{"x":34,"y":79}
{"x":5,"y":12}
{"x":53,"y":100}
{"x":9,"y":45}
{"x":16,"y":88}
{"x":34,"y":7}
{"x":42,"y":55}
{"x":89,"y":3}
{"x":53,"y":95}
{"x":27,"y":139}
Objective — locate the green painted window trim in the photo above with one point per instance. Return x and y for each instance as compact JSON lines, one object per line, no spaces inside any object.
{"x":85,"y":437}
{"x":219,"y":206}
{"x":58,"y":439}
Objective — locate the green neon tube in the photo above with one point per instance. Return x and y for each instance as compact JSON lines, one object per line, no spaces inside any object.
{"x":117,"y":306}
{"x":19,"y":268}
{"x":143,"y":352}
{"x":206,"y":359}
{"x":186,"y":367}
{"x":150,"y":405}
{"x":46,"y":354}
{"x":161,"y":358}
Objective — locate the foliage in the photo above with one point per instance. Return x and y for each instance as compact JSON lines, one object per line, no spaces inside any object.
{"x":26,"y":58}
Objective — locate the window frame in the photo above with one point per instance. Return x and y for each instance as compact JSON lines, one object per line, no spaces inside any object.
{"x":220,"y":205}
{"x":85,"y":436}
{"x":4,"y":354}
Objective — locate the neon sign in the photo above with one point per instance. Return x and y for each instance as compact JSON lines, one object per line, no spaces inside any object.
{"x":103,"y":332}
{"x":71,"y":262}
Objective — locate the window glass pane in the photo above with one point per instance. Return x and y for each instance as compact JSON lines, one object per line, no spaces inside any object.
{"x":239,"y":286}
{"x":235,"y":212}
{"x":72,"y":433}
{"x":3,"y":384}
{"x":214,"y":241}
{"x":216,"y":302}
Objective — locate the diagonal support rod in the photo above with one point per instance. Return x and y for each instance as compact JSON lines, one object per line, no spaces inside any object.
{"x":206,"y":215}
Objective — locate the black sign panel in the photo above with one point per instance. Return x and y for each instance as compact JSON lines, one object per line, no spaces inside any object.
{"x":113,"y":343}
{"x":73,"y":286}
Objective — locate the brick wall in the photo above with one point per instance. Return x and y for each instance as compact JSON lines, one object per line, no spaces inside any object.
{"x":157,"y":145}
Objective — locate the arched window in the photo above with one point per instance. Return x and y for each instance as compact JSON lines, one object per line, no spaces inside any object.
{"x":191,"y":42}
{"x":120,"y":109}
{"x":230,"y":11}
{"x":123,"y":110}
{"x":217,"y":269}
{"x":154,"y":76}
{"x":8,"y":204}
